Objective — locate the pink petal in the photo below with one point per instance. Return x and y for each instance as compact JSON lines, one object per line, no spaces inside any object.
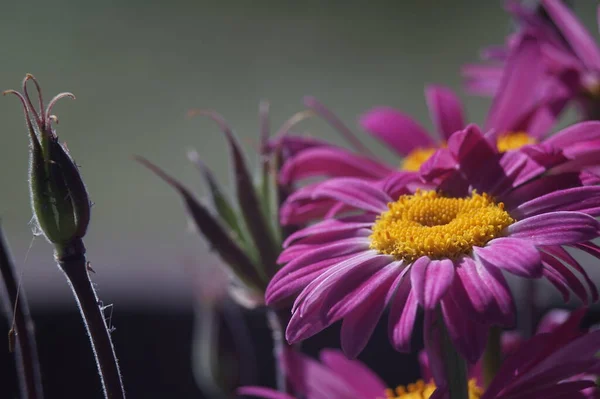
{"x":396,"y":129}
{"x":445,"y":109}
{"x":330,"y":227}
{"x":354,"y":192}
{"x":403,"y":312}
{"x":574,"y":32}
{"x":336,"y":248}
{"x":518,"y":89}
{"x":356,"y":374}
{"x":430,"y":279}
{"x":516,"y":256}
{"x":570,"y":279}
{"x":330,"y":162}
{"x":468,"y":336}
{"x":579,"y":199}
{"x":579,"y":132}
{"x":287,"y":284}
{"x":358,"y":325}
{"x":486,"y":292}
{"x":555,"y":228}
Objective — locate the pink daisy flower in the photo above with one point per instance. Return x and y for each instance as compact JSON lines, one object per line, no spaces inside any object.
{"x":518,"y":119}
{"x":570,"y":58}
{"x":551,"y":365}
{"x":436,"y":250}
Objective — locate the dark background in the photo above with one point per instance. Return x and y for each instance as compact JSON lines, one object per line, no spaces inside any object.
{"x":136,"y":68}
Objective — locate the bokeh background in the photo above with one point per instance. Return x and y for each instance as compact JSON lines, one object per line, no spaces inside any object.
{"x":136,"y":68}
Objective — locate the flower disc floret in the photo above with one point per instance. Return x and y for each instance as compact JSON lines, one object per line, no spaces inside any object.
{"x":422,"y":390}
{"x":429,"y":224}
{"x":514,"y":141}
{"x":417,"y":157}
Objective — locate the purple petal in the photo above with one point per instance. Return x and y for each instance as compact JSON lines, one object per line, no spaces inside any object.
{"x":430,"y":280}
{"x":357,"y":375}
{"x":396,"y":129}
{"x":582,"y":43}
{"x":552,"y":320}
{"x":445,"y":109}
{"x":486,"y":291}
{"x":286,"y":284}
{"x":329,"y":230}
{"x":555,"y":228}
{"x":579,"y":132}
{"x":354,"y":192}
{"x":482,"y":80}
{"x":403,"y":312}
{"x":516,"y":256}
{"x":341,"y":247}
{"x":358,"y":325}
{"x":330,"y":162}
{"x":519,"y":85}
{"x":315,"y":380}
{"x":579,"y":199}
{"x":344,"y":297}
{"x":560,"y":253}
{"x":468,"y":336}
{"x":570,"y":279}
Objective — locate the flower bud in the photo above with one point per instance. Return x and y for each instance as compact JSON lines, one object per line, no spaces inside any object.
{"x":59,"y":199}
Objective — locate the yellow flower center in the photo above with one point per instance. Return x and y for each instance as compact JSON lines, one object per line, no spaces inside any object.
{"x":514,"y":141}
{"x":420,"y":390}
{"x":417,"y":157}
{"x":429,"y":224}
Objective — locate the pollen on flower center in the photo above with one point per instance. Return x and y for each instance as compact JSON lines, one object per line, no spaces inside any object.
{"x":417,"y":157}
{"x":421,"y":390}
{"x":514,"y":141}
{"x":429,"y":224}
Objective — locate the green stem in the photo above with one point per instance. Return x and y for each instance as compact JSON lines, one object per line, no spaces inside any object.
{"x":455,"y":366}
{"x":71,"y":260}
{"x":492,"y":357}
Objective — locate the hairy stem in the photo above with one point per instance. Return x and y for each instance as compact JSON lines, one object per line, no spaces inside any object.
{"x":72,"y":262}
{"x":17,"y":309}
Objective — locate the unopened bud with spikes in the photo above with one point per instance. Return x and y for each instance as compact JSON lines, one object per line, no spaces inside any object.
{"x":59,"y":199}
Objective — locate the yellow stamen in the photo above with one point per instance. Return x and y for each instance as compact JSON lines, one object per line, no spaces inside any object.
{"x":421,"y":390}
{"x":417,"y":157}
{"x":514,"y":141}
{"x":429,"y":224}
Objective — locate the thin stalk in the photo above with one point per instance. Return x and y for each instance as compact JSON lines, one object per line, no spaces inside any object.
{"x":492,"y":357}
{"x":455,"y":367}
{"x":17,"y":309}
{"x":74,"y":265}
{"x":277,"y":322}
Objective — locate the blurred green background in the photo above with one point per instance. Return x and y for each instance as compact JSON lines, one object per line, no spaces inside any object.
{"x":136,"y":67}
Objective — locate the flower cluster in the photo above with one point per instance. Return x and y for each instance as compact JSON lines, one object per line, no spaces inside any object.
{"x":437,"y":232}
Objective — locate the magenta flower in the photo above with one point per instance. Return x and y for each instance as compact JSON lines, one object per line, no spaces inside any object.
{"x":570,"y":58}
{"x":437,"y":249}
{"x":558,"y":363}
{"x":308,"y":158}
{"x":519,"y":119}
{"x":333,"y":377}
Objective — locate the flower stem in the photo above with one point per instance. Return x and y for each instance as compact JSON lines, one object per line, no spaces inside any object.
{"x":456,"y":368}
{"x":492,"y":357}
{"x":71,"y":260}
{"x":17,"y":310}
{"x":277,"y":322}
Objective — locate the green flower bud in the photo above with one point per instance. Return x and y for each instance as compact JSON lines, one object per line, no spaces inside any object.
{"x":59,"y":199}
